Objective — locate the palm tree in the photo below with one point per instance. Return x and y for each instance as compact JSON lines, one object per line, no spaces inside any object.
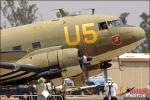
{"x":123,"y":17}
{"x":146,"y":20}
{"x":145,"y":24}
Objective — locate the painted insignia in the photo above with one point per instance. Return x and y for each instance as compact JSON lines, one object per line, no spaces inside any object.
{"x":116,"y":40}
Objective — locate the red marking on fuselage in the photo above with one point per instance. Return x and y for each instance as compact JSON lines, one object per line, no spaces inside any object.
{"x":116,"y":40}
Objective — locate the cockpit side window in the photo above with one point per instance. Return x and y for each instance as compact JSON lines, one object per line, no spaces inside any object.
{"x":102,"y":26}
{"x":115,"y":23}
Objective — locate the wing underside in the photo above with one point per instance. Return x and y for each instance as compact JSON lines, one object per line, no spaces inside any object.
{"x":12,"y":71}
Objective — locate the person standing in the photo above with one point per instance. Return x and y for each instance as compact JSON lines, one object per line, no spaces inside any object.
{"x":111,"y":88}
{"x":40,"y":88}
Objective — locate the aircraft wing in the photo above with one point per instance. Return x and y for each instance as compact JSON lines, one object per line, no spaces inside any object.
{"x":21,"y":67}
{"x":17,"y":59}
{"x":9,"y":56}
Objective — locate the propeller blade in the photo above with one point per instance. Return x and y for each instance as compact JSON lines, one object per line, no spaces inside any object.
{"x":84,"y":58}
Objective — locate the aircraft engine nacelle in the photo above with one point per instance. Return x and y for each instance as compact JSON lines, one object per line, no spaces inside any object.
{"x":49,"y":58}
{"x":67,"y":60}
{"x":64,"y":57}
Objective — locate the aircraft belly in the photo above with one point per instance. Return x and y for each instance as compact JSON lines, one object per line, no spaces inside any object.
{"x":109,"y":55}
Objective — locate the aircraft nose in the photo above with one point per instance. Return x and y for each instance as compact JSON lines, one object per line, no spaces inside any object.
{"x":138,"y":33}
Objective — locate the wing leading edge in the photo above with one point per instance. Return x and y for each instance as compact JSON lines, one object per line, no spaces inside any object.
{"x":22,"y":67}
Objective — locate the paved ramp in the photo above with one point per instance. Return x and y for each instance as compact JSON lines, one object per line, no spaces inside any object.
{"x":75,"y":97}
{"x":91,"y":97}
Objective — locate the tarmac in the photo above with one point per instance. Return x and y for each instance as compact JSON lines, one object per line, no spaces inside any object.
{"x":79,"y":97}
{"x":86,"y":97}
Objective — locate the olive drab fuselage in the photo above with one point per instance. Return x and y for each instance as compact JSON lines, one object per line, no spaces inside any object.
{"x":45,"y":43}
{"x":68,"y":32}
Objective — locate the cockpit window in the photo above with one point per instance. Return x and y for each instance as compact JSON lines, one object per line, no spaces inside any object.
{"x":103,"y":26}
{"x":115,"y":23}
{"x":110,"y":24}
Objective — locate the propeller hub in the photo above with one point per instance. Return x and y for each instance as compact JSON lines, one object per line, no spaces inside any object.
{"x":85,"y":59}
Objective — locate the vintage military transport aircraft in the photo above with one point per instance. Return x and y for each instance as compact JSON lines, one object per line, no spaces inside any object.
{"x":59,"y":48}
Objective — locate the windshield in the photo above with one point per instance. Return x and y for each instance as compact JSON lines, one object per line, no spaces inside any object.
{"x":115,"y":23}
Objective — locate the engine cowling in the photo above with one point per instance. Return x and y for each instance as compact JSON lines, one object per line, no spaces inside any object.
{"x":55,"y":63}
{"x":62,"y":57}
{"x":68,"y":60}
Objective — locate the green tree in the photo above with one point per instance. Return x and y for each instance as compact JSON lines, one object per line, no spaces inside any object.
{"x":19,"y":12}
{"x":123,"y":17}
{"x":145,"y":24}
